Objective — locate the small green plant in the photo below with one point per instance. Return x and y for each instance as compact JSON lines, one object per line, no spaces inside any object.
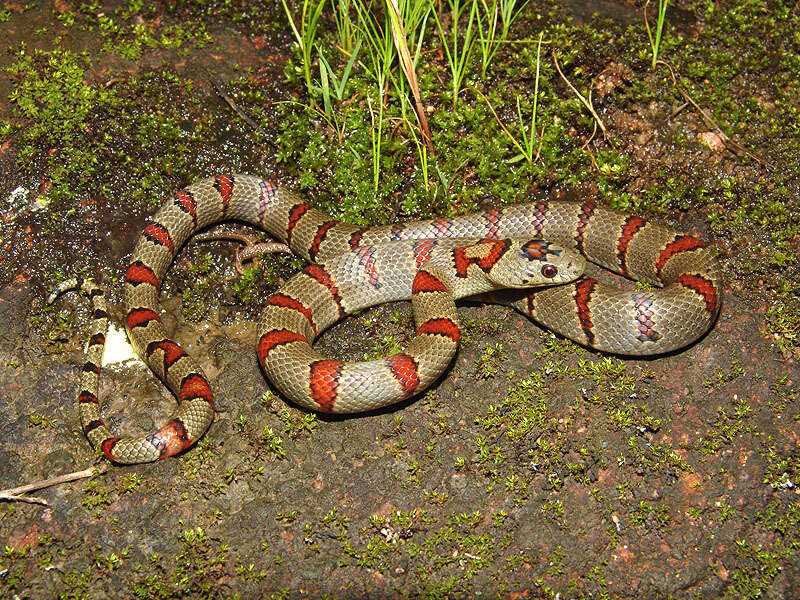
{"x":129,"y":482}
{"x":488,"y":364}
{"x":493,"y":26}
{"x":345,"y":27}
{"x":387,"y":346}
{"x":380,"y":46}
{"x":375,"y":135}
{"x":655,"y":40}
{"x":652,"y":517}
{"x":245,"y":288}
{"x":526,"y":142}
{"x":329,"y":82}
{"x":305,"y":36}
{"x":381,"y":52}
{"x":459,"y":54}
{"x":273,"y":442}
{"x":41,"y":421}
{"x":297,"y":424}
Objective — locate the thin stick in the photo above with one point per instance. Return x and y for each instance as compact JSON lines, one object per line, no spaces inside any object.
{"x":28,"y":499}
{"x":585,"y":102}
{"x":229,"y":101}
{"x":710,"y":121}
{"x":14,"y":494}
{"x":678,"y":110}
{"x":646,"y":24}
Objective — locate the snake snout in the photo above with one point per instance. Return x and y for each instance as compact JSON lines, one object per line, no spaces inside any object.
{"x":575,"y":266}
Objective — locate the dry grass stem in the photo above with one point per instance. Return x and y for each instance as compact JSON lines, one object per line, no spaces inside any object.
{"x":15,"y":494}
{"x":586,"y":103}
{"x":400,"y":42}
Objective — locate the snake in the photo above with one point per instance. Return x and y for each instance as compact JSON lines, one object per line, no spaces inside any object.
{"x":432,"y":262}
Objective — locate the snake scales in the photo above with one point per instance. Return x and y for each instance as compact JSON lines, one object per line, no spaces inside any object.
{"x":429,"y":261}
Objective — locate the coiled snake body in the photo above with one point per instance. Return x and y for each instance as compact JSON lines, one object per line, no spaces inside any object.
{"x":353,"y":267}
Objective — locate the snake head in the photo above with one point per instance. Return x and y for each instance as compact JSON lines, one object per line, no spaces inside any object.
{"x":535,"y":262}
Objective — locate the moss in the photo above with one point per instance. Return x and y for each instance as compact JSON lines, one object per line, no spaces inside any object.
{"x":783,"y":323}
{"x":193,"y":571}
{"x":523,"y":409}
{"x":90,"y":145}
{"x":651,"y":517}
{"x":726,"y":428}
{"x":128,"y":32}
{"x":298,"y":423}
{"x":58,"y":106}
{"x":488,"y":364}
{"x":386,"y":346}
{"x":759,"y":569}
{"x":273,"y":442}
{"x":782,"y":470}
{"x":198,"y":460}
{"x":41,"y":421}
{"x":246,"y":288}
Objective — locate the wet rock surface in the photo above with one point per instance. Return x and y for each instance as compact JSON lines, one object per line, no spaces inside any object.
{"x":533,"y":469}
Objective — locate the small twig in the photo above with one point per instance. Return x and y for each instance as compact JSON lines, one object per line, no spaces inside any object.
{"x":678,"y":110}
{"x":585,"y":147}
{"x":472,"y":556}
{"x":646,"y":24}
{"x":28,"y":499}
{"x":14,"y":494}
{"x":580,"y":96}
{"x":229,"y":101}
{"x":710,"y":121}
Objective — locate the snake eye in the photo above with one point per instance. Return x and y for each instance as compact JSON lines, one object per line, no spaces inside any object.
{"x":549,"y":271}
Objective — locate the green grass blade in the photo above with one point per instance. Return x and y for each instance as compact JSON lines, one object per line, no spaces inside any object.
{"x":347,"y":69}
